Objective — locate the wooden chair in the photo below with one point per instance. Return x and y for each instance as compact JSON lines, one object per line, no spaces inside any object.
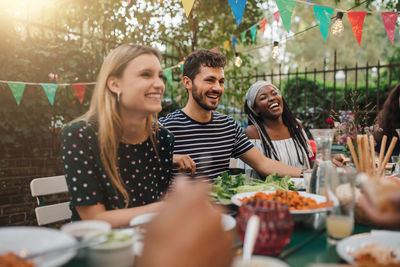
{"x":46,"y":214}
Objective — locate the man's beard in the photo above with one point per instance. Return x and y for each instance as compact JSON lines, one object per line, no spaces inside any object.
{"x":197,"y":98}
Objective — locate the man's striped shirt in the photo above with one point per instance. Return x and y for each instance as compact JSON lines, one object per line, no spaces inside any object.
{"x":209,"y":144}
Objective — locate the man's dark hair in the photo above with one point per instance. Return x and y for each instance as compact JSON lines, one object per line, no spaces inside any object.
{"x":206,"y":58}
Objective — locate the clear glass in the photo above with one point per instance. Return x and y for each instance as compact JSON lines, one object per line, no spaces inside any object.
{"x":276,"y":225}
{"x":323,"y":166}
{"x":340,"y":194}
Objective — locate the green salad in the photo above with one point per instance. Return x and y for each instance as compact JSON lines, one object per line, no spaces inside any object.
{"x":225,"y":186}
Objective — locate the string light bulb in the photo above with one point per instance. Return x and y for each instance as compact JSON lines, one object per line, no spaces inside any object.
{"x":275,"y":50}
{"x":337,"y":27}
{"x":238,"y":60}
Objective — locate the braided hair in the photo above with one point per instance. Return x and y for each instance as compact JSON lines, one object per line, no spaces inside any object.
{"x":289,"y":120}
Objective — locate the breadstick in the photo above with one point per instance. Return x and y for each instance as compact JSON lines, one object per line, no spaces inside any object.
{"x":382,"y":151}
{"x":353,"y":153}
{"x":387,"y":156}
{"x":372,"y":147}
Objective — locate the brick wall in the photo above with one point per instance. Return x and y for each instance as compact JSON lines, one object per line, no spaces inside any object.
{"x":17,"y":206}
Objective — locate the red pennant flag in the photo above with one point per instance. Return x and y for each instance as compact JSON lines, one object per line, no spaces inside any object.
{"x":357,"y":23}
{"x":276,"y":15}
{"x":214,"y":49}
{"x":79,"y":89}
{"x":263,"y":25}
{"x":389,"y":20}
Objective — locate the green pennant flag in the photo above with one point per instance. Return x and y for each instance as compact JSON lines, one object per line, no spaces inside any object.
{"x":50,"y":89}
{"x":243,"y":36}
{"x":17,"y":90}
{"x":253,"y":32}
{"x":168,"y":75}
{"x":181,"y":66}
{"x":286,"y":8}
{"x":323,"y":15}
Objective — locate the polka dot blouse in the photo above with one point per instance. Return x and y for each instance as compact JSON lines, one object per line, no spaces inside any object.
{"x":144,"y":176}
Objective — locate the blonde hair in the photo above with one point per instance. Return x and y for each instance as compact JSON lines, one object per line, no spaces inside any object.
{"x":104,"y":111}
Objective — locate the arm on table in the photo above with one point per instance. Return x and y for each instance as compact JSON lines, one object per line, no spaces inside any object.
{"x":117,"y":218}
{"x":266,"y":166}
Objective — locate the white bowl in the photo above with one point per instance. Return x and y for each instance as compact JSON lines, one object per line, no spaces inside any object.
{"x":258,"y":261}
{"x":117,"y":252}
{"x":79,"y":229}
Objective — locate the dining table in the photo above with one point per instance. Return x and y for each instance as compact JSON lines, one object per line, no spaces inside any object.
{"x":306,"y":246}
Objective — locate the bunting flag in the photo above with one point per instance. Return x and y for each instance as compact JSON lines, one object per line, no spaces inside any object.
{"x":323,"y":15}
{"x":214,"y":49}
{"x":17,"y":90}
{"x":181,"y":63}
{"x":389,"y":20}
{"x":79,"y":89}
{"x":286,"y":8}
{"x":227,"y":45}
{"x":234,"y":43}
{"x":356,"y":19}
{"x":243,"y":36}
{"x":187,"y":5}
{"x":237,"y":7}
{"x":262,"y":24}
{"x":276,"y":15}
{"x":253,"y":32}
{"x":50,"y":89}
{"x":168,"y":75}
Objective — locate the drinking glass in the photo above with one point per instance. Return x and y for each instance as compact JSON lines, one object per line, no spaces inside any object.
{"x":340,"y":194}
{"x":276,"y":225}
{"x":323,"y":166}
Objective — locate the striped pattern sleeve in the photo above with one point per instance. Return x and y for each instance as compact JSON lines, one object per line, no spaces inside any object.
{"x":209,"y":144}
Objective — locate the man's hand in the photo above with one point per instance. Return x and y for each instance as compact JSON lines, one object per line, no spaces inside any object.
{"x":340,"y":160}
{"x":184,"y":163}
{"x":187,"y":232}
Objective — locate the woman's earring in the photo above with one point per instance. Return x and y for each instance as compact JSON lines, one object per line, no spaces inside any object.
{"x":118,"y":95}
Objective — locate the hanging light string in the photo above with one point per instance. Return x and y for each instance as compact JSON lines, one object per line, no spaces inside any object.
{"x":284,"y":40}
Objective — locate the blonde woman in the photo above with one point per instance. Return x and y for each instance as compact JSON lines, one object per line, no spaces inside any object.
{"x":117,"y":160}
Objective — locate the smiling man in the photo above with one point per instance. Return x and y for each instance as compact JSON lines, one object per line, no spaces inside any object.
{"x":205,"y":140}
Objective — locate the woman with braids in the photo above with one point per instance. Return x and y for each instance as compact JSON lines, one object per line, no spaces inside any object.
{"x":117,"y":160}
{"x":281,"y":135}
{"x":389,"y":119}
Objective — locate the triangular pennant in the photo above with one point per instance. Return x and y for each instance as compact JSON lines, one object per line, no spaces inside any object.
{"x":17,"y":90}
{"x":50,"y":89}
{"x":237,"y":7}
{"x":181,"y":65}
{"x":79,"y":89}
{"x":276,"y":15}
{"x":323,"y":15}
{"x":356,"y":19}
{"x":286,"y":8}
{"x":253,"y":32}
{"x":234,"y":43}
{"x":187,"y":5}
{"x":243,"y":36}
{"x":227,"y":45}
{"x":262,"y":24}
{"x":214,"y":49}
{"x":168,"y":75}
{"x":389,"y":20}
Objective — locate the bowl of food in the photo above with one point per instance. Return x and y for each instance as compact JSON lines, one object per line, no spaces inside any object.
{"x":116,"y":251}
{"x":79,"y":229}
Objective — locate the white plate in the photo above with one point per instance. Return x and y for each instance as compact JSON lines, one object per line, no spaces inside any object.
{"x":227,"y":221}
{"x":318,"y":198}
{"x":298,"y":183}
{"x":37,"y":239}
{"x":258,"y":261}
{"x":356,"y":242}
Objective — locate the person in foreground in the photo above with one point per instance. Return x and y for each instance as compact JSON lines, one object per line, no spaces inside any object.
{"x":205,"y":140}
{"x":117,"y":160}
{"x":188,"y":231}
{"x":389,"y":120}
{"x":282,"y":136}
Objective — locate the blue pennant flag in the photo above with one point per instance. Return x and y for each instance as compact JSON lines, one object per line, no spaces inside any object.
{"x":237,"y":7}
